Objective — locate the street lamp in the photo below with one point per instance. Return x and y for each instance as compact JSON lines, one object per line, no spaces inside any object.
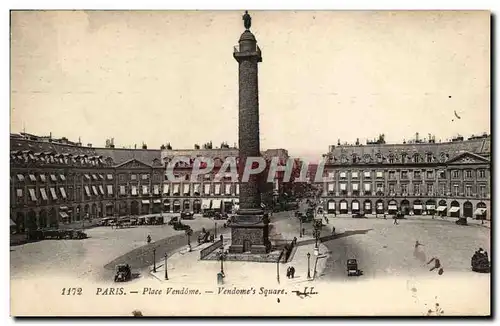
{"x":221,"y":255}
{"x":300,"y":221}
{"x":189,"y":232}
{"x":308,"y":266}
{"x":166,"y":272}
{"x":215,"y":231}
{"x":154,"y":260}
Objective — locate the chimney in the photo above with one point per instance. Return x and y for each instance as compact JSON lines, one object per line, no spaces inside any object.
{"x":144,"y":146}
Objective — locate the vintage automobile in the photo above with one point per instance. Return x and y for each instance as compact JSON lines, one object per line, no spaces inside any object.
{"x":461,"y":221}
{"x":359,"y":214}
{"x":173,"y":220}
{"x":34,"y":235}
{"x":159,"y":220}
{"x":220,"y":216}
{"x":78,"y":234}
{"x":187,"y":215}
{"x":54,"y":234}
{"x":179,"y":226}
{"x":208,"y":213}
{"x":352,"y":268}
{"x":480,"y":262}
{"x":205,"y":237}
{"x":123,"y":273}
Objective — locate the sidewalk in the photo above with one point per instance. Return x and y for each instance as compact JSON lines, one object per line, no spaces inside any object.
{"x":186,"y":268}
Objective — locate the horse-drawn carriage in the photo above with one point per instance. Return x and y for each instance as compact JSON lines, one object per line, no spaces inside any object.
{"x":123,"y":273}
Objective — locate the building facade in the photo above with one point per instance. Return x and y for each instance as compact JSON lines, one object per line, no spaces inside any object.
{"x":207,"y":192}
{"x":53,"y":182}
{"x":450,"y":178}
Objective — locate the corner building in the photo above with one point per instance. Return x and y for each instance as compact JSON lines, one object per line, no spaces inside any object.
{"x":452,"y":178}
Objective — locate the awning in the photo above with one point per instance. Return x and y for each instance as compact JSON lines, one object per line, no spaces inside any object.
{"x":480,"y":211}
{"x":42,"y":178}
{"x":441,"y":208}
{"x":156,"y":190}
{"x":63,"y":214}
{"x":53,"y":193}
{"x":109,"y":204}
{"x":228,"y":200}
{"x":454,"y":209}
{"x":392,"y":207}
{"x":205,"y":203}
{"x":101,"y":190}
{"x":134,"y":191}
{"x":177,"y":203}
{"x":20,"y":177}
{"x":86,"y":176}
{"x":32,"y":194}
{"x":110,"y":189}
{"x":32,"y":177}
{"x":43,"y":193}
{"x":19,"y":192}
{"x":87,"y":191}
{"x":355,"y":205}
{"x":94,"y":190}
{"x":63,"y":192}
{"x":12,"y":223}
{"x":63,"y":208}
{"x":166,"y":188}
{"x":216,"y":203}
{"x":53,"y":177}
{"x":166,"y":203}
{"x":430,"y":207}
{"x":62,"y":177}
{"x":145,"y":202}
{"x":417,"y":207}
{"x":157,"y":201}
{"x":145,"y":190}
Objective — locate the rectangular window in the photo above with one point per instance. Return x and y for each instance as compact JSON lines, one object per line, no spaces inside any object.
{"x":404,"y":174}
{"x":442,"y":174}
{"x":133,"y":177}
{"x":392,"y":175}
{"x":430,"y":174}
{"x":367,"y":174}
{"x":442,"y":189}
{"x":482,"y":173}
{"x":122,"y":190}
{"x":468,"y":174}
{"x":456,"y":174}
{"x":354,"y":175}
{"x":227,"y":189}
{"x":416,"y":189}
{"x":145,"y":190}
{"x":380,"y":174}
{"x":145,"y":176}
{"x":404,"y":188}
{"x":19,"y":192}
{"x":217,"y":189}
{"x":355,"y":187}
{"x":456,"y":190}
{"x":391,"y":188}
{"x":429,"y":188}
{"x":380,"y":187}
{"x":343,"y":186}
{"x":482,"y":191}
{"x":186,"y":189}
{"x":206,"y":189}
{"x":331,"y":187}
{"x":368,"y":187}
{"x":416,"y":174}
{"x":468,"y":191}
{"x":343,"y":175}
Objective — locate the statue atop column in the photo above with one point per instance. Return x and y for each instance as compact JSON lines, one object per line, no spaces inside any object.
{"x":247,"y":20}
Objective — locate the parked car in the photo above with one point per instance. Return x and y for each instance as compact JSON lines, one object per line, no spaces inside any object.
{"x":359,"y":215}
{"x":187,"y":215}
{"x":208,"y":213}
{"x":352,"y":268}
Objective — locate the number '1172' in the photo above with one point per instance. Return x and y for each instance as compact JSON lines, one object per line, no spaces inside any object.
{"x":71,"y":291}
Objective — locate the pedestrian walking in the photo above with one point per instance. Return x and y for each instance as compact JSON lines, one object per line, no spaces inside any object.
{"x":148,"y":239}
{"x":292,"y":271}
{"x":417,"y":244}
{"x":395,"y":220}
{"x":288,"y":272}
{"x":333,"y":230}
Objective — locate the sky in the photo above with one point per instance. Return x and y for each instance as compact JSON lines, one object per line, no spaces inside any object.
{"x":160,"y":76}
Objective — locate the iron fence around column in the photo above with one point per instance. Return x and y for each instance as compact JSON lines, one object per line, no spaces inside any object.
{"x":208,"y":250}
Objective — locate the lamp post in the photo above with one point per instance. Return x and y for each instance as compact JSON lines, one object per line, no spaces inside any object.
{"x":300,"y":221}
{"x":215,"y":231}
{"x":189,"y":232}
{"x":222,"y":255}
{"x":308,"y":266}
{"x":166,"y":272}
{"x":154,"y":260}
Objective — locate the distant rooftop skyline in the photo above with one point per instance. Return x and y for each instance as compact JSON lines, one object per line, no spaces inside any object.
{"x":158,"y":77}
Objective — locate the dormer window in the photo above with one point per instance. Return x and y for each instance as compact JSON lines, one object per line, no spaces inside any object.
{"x":416,"y":158}
{"x":391,"y":159}
{"x":403,"y":158}
{"x":429,"y":158}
